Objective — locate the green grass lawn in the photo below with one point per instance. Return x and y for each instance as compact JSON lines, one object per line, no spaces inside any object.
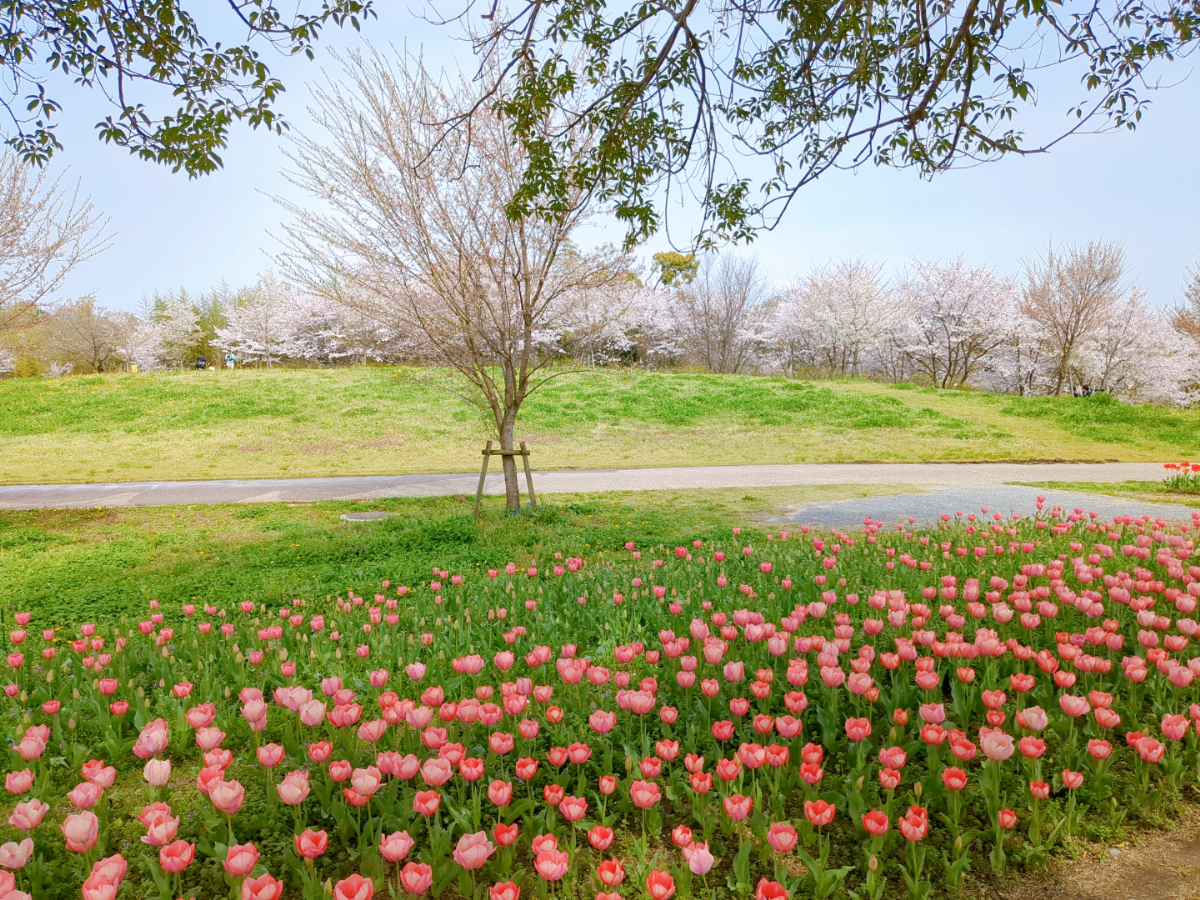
{"x":1151,"y":491}
{"x":102,"y":564}
{"x":377,"y":420}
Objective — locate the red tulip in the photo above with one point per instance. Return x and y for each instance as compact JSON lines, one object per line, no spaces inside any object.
{"x":610,"y":873}
{"x":660,"y":885}
{"x":875,"y":822}
{"x":601,"y":837}
{"x":311,"y":844}
{"x":914,"y":824}
{"x":770,"y":890}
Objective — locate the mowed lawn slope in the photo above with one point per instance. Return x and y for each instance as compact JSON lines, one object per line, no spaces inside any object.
{"x":388,"y":420}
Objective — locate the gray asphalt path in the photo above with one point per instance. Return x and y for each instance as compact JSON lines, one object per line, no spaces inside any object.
{"x":938,"y":500}
{"x":272,"y":490}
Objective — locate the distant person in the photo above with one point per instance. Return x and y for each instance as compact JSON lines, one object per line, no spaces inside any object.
{"x":1087,"y":390}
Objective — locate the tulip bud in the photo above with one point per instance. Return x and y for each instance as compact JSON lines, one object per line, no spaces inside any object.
{"x":958,"y":846}
{"x":918,"y":789}
{"x":861,"y":780}
{"x":71,"y":723}
{"x":873,"y":865}
{"x":50,"y":677}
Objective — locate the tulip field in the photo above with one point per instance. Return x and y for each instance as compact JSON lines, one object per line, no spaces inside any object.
{"x":897,"y":711}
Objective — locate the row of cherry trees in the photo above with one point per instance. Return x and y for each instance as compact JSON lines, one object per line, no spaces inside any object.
{"x":943,"y":322}
{"x":1070,"y":322}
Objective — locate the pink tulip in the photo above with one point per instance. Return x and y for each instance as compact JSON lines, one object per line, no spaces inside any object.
{"x":294,"y":788}
{"x":157,"y":772}
{"x":436,"y":772}
{"x":416,"y":877}
{"x":264,"y":887}
{"x":738,"y":807}
{"x":1033,"y":718}
{"x":1174,"y":727}
{"x":698,"y":857}
{"x":312,"y":713}
{"x":240,"y":860}
{"x":161,"y":829}
{"x":858,"y":729}
{"x":1074,"y":706}
{"x":396,"y":846}
{"x":84,"y":795}
{"x":473,"y":850}
{"x":153,"y":740}
{"x":209,"y":738}
{"x":366,"y":781}
{"x":18,"y":782}
{"x":782,"y":837}
{"x":81,"y":831}
{"x":551,"y":864}
{"x":28,"y":814}
{"x":996,"y":745}
{"x":227,"y":797}
{"x":602,"y":721}
{"x":13,"y":856}
{"x":202,"y":715}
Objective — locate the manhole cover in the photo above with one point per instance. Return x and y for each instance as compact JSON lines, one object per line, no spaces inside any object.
{"x":366,"y":516}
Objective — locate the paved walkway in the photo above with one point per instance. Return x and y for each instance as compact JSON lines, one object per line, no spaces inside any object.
{"x":273,"y":490}
{"x":936,"y":500}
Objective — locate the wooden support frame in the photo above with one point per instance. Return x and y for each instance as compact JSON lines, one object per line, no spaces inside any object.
{"x":488,"y":453}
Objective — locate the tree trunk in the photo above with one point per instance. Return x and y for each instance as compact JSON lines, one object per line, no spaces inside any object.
{"x":512,"y":488}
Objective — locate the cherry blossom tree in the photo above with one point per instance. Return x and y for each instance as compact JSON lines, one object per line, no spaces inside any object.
{"x":837,"y":319}
{"x":1022,"y":363}
{"x":416,"y":221}
{"x":1185,"y":315}
{"x":1070,"y":293}
{"x":257,"y":326}
{"x":955,"y":315}
{"x":1136,"y":354}
{"x":720,"y":317}
{"x":168,"y":337}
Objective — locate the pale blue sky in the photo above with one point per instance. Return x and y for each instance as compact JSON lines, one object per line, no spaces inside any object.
{"x":1142,"y":188}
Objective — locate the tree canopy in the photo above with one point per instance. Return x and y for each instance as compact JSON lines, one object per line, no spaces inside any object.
{"x":743,"y":102}
{"x":175,"y":89}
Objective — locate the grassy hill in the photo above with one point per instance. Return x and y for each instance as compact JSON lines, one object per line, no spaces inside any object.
{"x":376,"y":420}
